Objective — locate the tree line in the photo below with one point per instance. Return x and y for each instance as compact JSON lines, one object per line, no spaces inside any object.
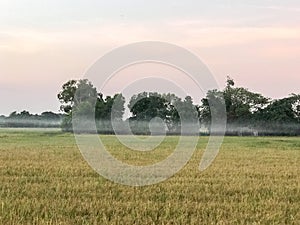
{"x":26,"y":119}
{"x":247,"y":112}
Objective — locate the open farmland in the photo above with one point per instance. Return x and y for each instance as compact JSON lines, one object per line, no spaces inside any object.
{"x":45,"y":180}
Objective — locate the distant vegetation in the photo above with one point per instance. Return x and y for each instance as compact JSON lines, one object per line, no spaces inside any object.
{"x":25,"y":119}
{"x":248,"y":113}
{"x":88,"y":102}
{"x":80,"y":98}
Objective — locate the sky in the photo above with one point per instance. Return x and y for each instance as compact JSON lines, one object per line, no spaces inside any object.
{"x":44,"y":43}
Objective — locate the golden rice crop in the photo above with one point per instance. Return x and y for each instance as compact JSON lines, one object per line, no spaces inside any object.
{"x":45,"y":180}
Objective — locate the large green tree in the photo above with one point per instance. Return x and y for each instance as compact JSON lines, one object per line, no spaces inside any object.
{"x":281,"y":116}
{"x":241,"y":104}
{"x":146,"y":106}
{"x":212,"y":104}
{"x":110,"y":108}
{"x":170,"y":108}
{"x":80,"y":98}
{"x":76,"y":92}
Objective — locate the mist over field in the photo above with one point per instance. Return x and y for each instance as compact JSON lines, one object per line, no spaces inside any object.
{"x":230,"y":111}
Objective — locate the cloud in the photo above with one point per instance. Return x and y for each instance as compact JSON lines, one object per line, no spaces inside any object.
{"x":278,"y":8}
{"x":195,"y":33}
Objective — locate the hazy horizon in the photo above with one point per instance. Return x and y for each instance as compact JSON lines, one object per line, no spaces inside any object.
{"x":43,"y":44}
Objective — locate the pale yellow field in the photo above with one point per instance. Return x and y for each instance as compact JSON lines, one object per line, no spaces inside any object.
{"x":44,"y":180}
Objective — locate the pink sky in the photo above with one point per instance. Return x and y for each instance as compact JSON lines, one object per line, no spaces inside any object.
{"x":36,"y":59}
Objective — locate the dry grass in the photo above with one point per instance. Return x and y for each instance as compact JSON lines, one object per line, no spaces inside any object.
{"x":44,"y":180}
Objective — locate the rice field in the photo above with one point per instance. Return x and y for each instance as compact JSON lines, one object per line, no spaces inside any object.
{"x":45,"y":180}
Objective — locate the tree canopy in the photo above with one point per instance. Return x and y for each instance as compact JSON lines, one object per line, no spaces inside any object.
{"x":244,"y":109}
{"x":26,"y":119}
{"x":80,"y":98}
